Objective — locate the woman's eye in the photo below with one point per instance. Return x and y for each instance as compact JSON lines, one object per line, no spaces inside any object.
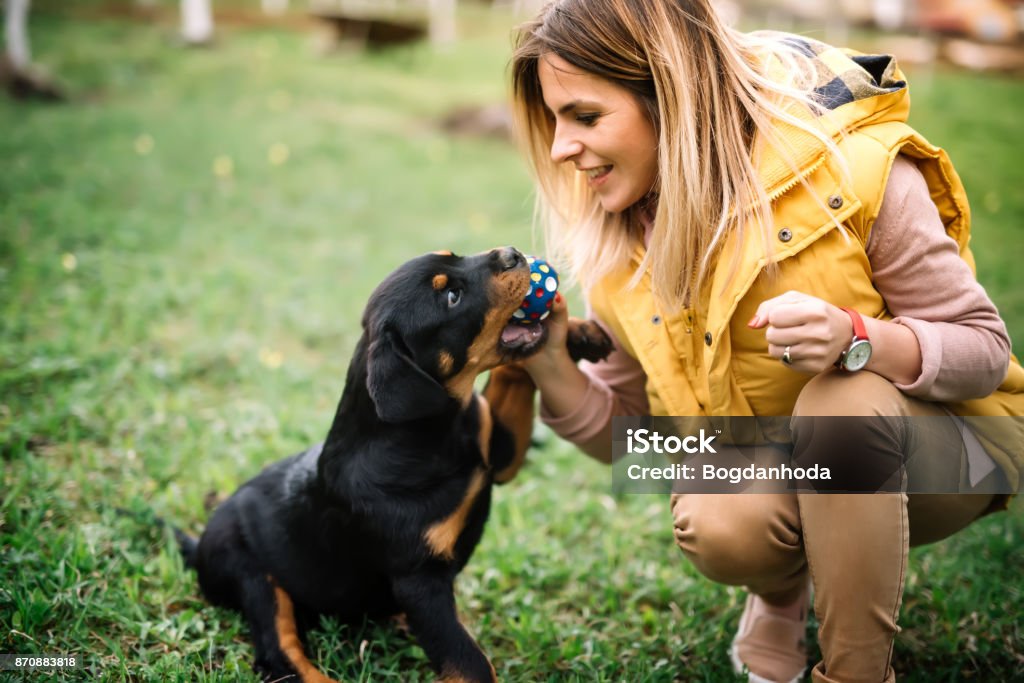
{"x":454,"y":297}
{"x":587,"y":119}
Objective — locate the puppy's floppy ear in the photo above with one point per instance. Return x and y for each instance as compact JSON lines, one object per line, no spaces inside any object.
{"x":400,"y":390}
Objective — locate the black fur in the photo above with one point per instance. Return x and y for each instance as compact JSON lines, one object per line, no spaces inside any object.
{"x":342,"y":528}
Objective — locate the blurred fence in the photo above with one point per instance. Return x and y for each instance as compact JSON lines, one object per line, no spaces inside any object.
{"x":975,"y":34}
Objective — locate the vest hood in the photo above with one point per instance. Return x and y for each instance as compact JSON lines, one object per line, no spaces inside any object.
{"x":853,"y":89}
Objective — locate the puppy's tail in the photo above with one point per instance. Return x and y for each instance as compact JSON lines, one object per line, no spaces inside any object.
{"x":187,"y":544}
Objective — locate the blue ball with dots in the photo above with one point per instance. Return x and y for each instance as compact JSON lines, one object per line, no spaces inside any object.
{"x":544,"y":286}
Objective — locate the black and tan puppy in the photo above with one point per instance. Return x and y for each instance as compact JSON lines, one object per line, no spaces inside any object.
{"x":379,"y":519}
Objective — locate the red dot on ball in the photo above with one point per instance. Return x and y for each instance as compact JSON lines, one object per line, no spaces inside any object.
{"x":539,"y":293}
{"x":535,"y":315}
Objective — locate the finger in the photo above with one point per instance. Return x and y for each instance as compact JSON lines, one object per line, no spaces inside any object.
{"x":559,"y":308}
{"x":796,"y":358}
{"x":766,"y":307}
{"x":777,"y":351}
{"x":557,"y":321}
{"x":783,"y":336}
{"x":559,"y":303}
{"x":793,"y":314}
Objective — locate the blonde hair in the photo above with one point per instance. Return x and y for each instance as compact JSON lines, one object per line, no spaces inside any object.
{"x":706,"y":88}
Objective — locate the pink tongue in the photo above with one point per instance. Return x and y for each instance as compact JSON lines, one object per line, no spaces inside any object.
{"x":515,"y":333}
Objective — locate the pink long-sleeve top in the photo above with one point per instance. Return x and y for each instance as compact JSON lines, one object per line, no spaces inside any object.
{"x":916,"y":266}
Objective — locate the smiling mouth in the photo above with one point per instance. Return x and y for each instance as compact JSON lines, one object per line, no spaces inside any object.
{"x":598,"y":172}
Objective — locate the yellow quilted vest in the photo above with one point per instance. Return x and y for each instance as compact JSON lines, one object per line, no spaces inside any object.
{"x":704,"y":360}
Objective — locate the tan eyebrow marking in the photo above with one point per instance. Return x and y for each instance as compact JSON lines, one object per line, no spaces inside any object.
{"x":442,"y":253}
{"x":440,"y":281}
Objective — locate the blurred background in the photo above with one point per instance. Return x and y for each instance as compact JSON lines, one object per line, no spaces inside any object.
{"x":195,"y":201}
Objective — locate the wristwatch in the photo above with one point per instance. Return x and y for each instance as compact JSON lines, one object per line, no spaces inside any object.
{"x":858,"y":353}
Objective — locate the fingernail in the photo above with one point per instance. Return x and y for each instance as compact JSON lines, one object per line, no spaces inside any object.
{"x":753,"y":322}
{"x":558,"y":298}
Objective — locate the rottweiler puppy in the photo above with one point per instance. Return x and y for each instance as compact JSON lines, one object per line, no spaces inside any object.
{"x":378,"y":520}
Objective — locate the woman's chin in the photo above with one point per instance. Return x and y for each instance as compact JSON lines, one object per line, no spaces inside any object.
{"x":617,"y":203}
{"x":613,"y":205}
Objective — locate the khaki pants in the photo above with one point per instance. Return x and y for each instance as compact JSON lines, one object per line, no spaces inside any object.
{"x":853,"y":546}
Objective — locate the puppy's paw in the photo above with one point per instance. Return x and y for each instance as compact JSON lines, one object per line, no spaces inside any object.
{"x":400,"y":622}
{"x":587,"y":341}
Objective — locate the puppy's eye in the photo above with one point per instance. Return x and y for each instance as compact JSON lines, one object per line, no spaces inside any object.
{"x":454,"y":297}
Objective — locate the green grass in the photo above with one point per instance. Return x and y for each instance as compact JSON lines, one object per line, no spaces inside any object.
{"x":166,"y":332}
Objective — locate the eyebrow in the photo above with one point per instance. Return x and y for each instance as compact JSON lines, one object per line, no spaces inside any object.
{"x":576,"y":104}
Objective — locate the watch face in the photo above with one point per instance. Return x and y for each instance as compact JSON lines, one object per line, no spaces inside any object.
{"x":858,"y":355}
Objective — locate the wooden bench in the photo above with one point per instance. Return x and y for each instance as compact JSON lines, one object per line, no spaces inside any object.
{"x":371,"y":30}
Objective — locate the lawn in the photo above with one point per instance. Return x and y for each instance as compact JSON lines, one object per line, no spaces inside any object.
{"x":185,"y":250}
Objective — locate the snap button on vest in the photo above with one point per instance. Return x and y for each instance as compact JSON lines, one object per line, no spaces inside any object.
{"x":656,"y":320}
{"x":785,"y":234}
{"x":707,"y":338}
{"x":835,"y":201}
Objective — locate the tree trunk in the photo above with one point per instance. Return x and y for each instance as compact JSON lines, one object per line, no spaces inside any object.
{"x":19,"y":54}
{"x":442,"y":22}
{"x":18,"y":75}
{"x":196,"y":21}
{"x":274,"y":7}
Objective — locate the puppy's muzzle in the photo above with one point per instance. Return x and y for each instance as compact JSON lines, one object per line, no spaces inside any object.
{"x":508,"y":258}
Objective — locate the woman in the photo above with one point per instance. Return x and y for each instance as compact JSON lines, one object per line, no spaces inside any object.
{"x":744,"y":212}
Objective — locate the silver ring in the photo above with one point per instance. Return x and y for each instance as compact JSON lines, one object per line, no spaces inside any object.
{"x":786,"y":358}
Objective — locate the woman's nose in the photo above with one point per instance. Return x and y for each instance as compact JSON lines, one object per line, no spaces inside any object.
{"x":564,"y":148}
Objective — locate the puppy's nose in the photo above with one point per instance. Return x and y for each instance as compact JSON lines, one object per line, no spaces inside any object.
{"x":508,"y":258}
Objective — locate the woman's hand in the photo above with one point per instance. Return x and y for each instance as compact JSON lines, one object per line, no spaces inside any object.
{"x":554,"y":352}
{"x":814,"y":331}
{"x":561,"y":384}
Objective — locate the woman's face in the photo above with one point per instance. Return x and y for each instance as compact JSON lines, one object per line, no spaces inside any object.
{"x":601,"y":129}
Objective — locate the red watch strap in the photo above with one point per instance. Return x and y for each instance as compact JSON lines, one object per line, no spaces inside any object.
{"x":859,"y":331}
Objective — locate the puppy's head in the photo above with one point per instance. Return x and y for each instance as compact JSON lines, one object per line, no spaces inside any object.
{"x":437,"y":322}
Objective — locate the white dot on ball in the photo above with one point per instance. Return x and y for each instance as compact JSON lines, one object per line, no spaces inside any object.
{"x":545,"y":314}
{"x":551,"y":284}
{"x":519,"y":314}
